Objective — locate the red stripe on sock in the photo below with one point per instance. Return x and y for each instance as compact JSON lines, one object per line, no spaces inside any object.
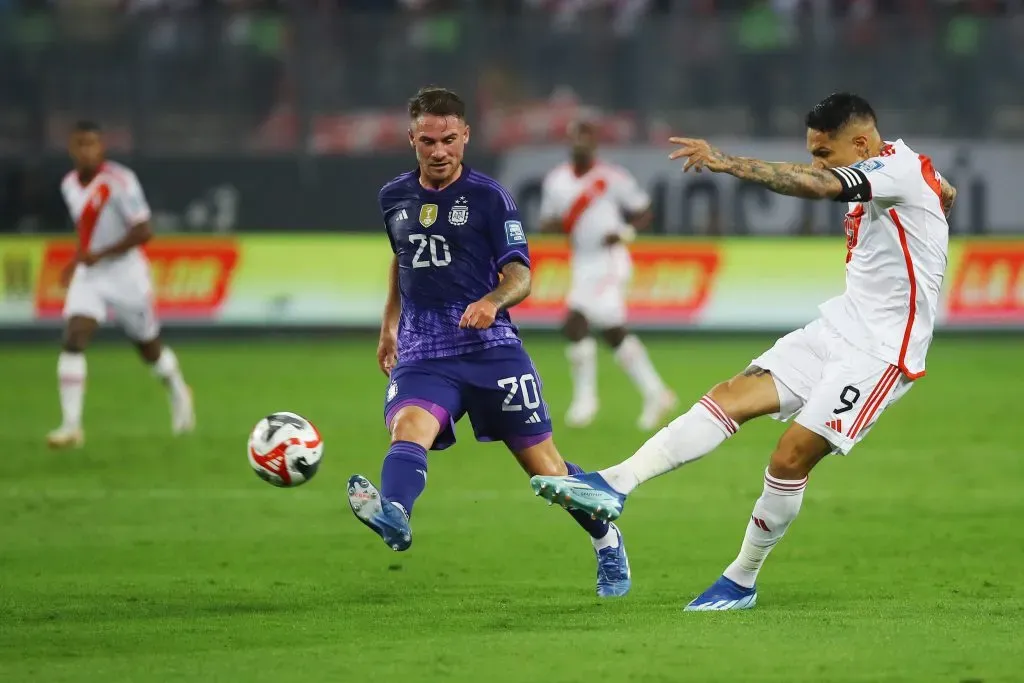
{"x":783,"y":485}
{"x":717,"y":412}
{"x":788,"y":492}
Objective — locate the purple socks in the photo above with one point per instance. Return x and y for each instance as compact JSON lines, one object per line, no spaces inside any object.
{"x":404,"y":474}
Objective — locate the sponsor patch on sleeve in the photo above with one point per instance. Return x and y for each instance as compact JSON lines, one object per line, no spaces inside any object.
{"x":514,"y":233}
{"x":868,"y":165}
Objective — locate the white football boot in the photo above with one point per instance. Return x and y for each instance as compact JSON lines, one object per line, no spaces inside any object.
{"x":183,"y":413}
{"x":66,"y":437}
{"x":656,"y":409}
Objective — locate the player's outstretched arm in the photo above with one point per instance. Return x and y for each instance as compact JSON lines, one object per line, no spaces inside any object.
{"x":795,"y":180}
{"x":513,"y":288}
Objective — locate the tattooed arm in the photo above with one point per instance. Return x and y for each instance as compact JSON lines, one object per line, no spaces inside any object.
{"x":947,"y":195}
{"x":796,"y":180}
{"x":513,"y":288}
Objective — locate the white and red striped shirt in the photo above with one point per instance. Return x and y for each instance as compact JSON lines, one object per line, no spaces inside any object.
{"x":106,"y":209}
{"x":591,"y":206}
{"x":897,"y":249}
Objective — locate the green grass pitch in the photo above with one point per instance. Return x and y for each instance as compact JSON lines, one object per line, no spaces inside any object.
{"x":144,"y":558}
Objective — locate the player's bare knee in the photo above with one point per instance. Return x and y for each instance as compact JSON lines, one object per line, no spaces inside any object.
{"x":747,"y":395}
{"x":150,"y":350}
{"x":72,"y":345}
{"x":798,"y":451}
{"x":730,"y":396}
{"x":575,"y":327}
{"x":75,"y":340}
{"x":415,"y":425}
{"x":614,"y":336}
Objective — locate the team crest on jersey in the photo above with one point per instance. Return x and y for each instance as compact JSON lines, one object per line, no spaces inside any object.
{"x":428,"y":215}
{"x":459,"y":215}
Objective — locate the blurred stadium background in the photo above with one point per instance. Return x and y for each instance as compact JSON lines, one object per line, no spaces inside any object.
{"x":261,"y":132}
{"x":259,"y":121}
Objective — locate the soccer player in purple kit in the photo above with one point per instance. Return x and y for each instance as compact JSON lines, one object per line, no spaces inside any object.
{"x":447,"y":341}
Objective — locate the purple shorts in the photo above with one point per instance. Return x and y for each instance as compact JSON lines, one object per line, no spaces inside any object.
{"x":498,"y":387}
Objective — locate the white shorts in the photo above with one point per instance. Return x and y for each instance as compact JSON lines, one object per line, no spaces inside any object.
{"x":833,"y":388}
{"x":600,"y":287}
{"x":126,"y":289}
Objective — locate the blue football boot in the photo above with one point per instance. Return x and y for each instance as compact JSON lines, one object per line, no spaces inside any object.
{"x":723,"y":595}
{"x":387,"y":520}
{"x":613,"y":577}
{"x":587,"y":492}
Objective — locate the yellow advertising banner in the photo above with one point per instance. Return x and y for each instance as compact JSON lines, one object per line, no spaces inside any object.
{"x":342,"y":280}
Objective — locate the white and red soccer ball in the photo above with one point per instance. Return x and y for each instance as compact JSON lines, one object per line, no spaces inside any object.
{"x":285,"y":449}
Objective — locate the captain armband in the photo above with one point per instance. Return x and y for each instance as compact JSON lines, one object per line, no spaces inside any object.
{"x":856,"y":187}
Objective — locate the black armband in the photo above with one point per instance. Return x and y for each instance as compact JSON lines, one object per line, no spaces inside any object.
{"x":856,"y":187}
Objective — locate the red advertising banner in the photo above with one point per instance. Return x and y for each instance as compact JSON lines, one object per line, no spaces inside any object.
{"x":988,"y":284}
{"x":190,"y":278}
{"x":671,"y":281}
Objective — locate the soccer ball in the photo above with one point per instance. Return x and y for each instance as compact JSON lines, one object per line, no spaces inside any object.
{"x":285,"y":449}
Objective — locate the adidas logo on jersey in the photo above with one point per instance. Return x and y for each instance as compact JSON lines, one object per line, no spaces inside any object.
{"x":835,"y":425}
{"x":533,"y":419}
{"x":402,"y":216}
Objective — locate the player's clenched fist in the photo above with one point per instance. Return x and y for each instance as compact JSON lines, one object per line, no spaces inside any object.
{"x":387,"y":353}
{"x":479,"y":315}
{"x":699,"y":155}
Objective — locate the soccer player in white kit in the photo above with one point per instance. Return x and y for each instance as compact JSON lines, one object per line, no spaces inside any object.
{"x":836,"y":376}
{"x":111,"y":218}
{"x":600,"y":206}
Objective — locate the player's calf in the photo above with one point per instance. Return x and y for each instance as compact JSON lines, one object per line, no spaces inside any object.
{"x":785,"y":479}
{"x":71,"y":374}
{"x":414,"y":427}
{"x":582,"y":356}
{"x":797,"y":452}
{"x":164,"y":364}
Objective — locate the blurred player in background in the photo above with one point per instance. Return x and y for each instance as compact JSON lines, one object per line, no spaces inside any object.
{"x":447,"y":342}
{"x":600,"y":207}
{"x":109,"y":270}
{"x":838,"y":374}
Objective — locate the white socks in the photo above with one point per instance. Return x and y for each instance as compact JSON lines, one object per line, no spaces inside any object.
{"x":690,"y":436}
{"x":632,"y":356}
{"x":166,"y":368}
{"x":773,"y":512}
{"x":71,"y":372}
{"x":609,"y":540}
{"x":71,"y":375}
{"x":582,"y":357}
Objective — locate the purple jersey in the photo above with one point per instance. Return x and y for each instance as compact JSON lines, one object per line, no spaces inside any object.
{"x":451,"y":244}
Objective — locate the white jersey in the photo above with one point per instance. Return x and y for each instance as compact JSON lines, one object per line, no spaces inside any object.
{"x":591,"y":206}
{"x":106,"y":209}
{"x":897,"y":247}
